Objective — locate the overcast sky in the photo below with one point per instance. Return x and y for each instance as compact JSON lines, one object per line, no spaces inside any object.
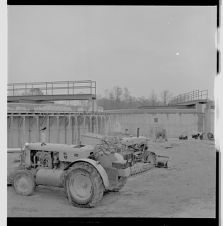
{"x":143,"y":48}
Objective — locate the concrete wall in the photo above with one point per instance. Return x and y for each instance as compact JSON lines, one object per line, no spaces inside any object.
{"x":175,"y":124}
{"x":67,"y":128}
{"x":59,"y":129}
{"x":175,"y":121}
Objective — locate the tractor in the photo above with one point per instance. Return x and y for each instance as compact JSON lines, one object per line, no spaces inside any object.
{"x":84,"y":171}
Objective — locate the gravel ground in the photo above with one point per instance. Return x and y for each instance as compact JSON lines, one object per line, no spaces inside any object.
{"x":186,"y":189}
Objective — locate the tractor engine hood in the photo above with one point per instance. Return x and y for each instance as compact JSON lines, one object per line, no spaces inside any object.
{"x":66,"y":152}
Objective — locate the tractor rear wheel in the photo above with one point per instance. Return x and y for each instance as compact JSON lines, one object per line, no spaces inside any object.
{"x":23,"y":182}
{"x":83,"y":185}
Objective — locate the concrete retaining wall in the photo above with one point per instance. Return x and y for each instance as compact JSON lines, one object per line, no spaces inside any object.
{"x":67,"y":128}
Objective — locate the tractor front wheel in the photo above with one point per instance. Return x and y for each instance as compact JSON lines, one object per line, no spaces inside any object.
{"x":23,"y":182}
{"x":83,"y":185}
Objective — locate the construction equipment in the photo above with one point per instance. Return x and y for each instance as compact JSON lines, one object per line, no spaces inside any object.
{"x":203,"y":136}
{"x":84,"y":171}
{"x":137,"y":147}
{"x":183,"y":136}
{"x":196,"y":135}
{"x":207,"y":136}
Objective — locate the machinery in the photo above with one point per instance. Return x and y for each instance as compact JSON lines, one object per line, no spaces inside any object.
{"x":203,"y":136}
{"x":134,"y":148}
{"x":84,"y":171}
{"x":139,"y":147}
{"x":183,"y":136}
{"x":206,"y":136}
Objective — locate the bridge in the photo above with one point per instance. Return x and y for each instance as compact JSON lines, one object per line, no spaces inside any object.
{"x":51,"y":91}
{"x":190,"y":98}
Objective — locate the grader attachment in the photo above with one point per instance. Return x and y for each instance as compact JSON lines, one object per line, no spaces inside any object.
{"x":130,"y":147}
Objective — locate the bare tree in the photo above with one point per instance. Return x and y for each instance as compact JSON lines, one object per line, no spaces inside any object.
{"x":153,"y":99}
{"x":165,"y":96}
{"x":126,"y":95}
{"x":119,"y":98}
{"x":117,"y":93}
{"x":33,"y":91}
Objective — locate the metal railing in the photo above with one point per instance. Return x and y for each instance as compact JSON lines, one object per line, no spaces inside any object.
{"x":195,"y":95}
{"x":52,"y":88}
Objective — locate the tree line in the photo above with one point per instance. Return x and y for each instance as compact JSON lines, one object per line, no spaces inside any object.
{"x":121,"y":98}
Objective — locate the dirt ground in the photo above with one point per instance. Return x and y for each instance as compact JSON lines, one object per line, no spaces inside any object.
{"x":186,"y":189}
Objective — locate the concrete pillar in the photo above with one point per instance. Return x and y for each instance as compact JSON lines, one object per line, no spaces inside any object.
{"x":78,"y":129}
{"x":99,"y":124}
{"x":84,"y":124}
{"x":207,"y":119}
{"x":48,"y":129}
{"x":28,"y":129}
{"x":102,"y":131}
{"x":75,"y":129}
{"x":200,"y":122}
{"x":24,"y":130}
{"x":106,"y":124}
{"x":20,"y":144}
{"x":37,"y":129}
{"x":96,"y":124}
{"x":199,"y":107}
{"x":58,"y":128}
{"x":65,"y":129}
{"x":91,"y":123}
{"x":12,"y":131}
{"x":72,"y":129}
{"x":69,"y":135}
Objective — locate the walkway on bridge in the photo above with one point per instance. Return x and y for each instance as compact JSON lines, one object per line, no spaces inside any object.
{"x":51,"y":91}
{"x":190,"y":98}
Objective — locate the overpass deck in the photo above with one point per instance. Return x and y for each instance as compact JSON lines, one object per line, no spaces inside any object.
{"x":190,"y":98}
{"x":51,"y":91}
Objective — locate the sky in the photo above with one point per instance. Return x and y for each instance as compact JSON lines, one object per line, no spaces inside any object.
{"x":143,"y":48}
